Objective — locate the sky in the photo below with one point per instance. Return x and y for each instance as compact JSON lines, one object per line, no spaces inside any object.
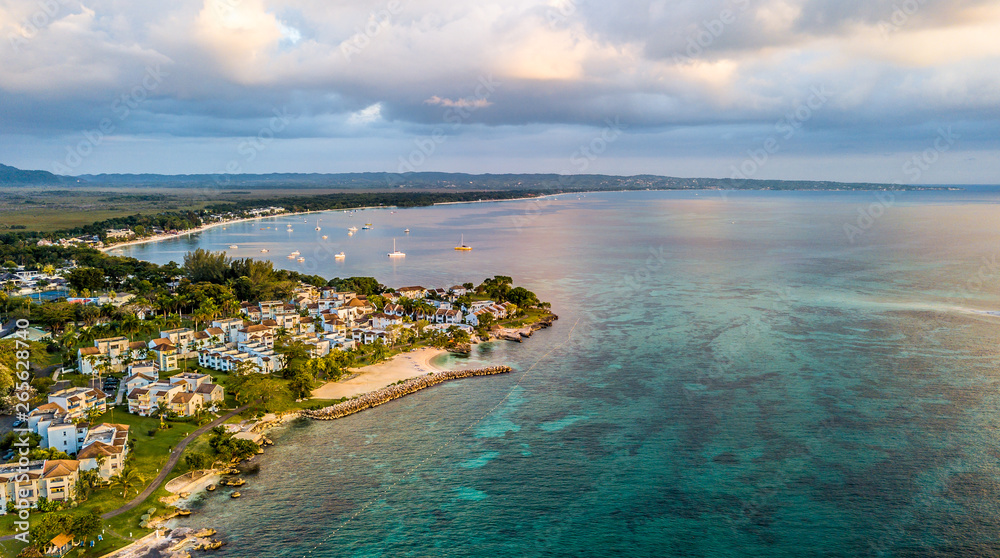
{"x":898,"y":91}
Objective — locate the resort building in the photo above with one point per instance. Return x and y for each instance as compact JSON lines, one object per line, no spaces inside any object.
{"x":53,"y":479}
{"x":230,"y":327}
{"x":164,"y":354}
{"x":77,"y":401}
{"x":108,"y":355}
{"x":105,"y":449}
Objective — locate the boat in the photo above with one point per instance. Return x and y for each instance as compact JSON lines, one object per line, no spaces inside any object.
{"x":339,"y":256}
{"x":233,"y":482}
{"x":366,"y":227}
{"x":233,"y":246}
{"x":407,"y":231}
{"x":210,"y":488}
{"x":353,"y":229}
{"x":396,"y":253}
{"x":184,"y":512}
{"x":317,"y":225}
{"x":235,"y":495}
{"x":295,"y":253}
{"x":291,"y":256}
{"x":324,"y":237}
{"x":300,"y":260}
{"x":349,"y":233}
{"x":264,"y":250}
{"x":463,"y":247}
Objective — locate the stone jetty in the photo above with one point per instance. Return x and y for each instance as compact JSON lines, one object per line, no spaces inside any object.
{"x":395,"y":391}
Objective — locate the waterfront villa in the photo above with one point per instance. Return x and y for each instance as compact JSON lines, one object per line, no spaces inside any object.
{"x":53,"y":479}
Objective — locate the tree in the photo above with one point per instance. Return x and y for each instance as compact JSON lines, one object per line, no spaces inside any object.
{"x":86,"y":525}
{"x":49,"y":526}
{"x":301,"y":385}
{"x":86,"y":483}
{"x":129,"y":478}
{"x":86,"y":278}
{"x":203,"y":265}
{"x":521,"y":297}
{"x":259,"y":391}
{"x":486,"y":321}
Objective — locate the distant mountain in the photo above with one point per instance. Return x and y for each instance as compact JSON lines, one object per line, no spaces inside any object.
{"x":11,"y":175}
{"x":436,"y":181}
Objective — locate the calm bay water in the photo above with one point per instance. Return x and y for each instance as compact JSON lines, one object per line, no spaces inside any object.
{"x":731,"y":376}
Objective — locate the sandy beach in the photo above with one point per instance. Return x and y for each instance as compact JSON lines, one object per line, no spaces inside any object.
{"x":370,"y":378}
{"x":202,"y":228}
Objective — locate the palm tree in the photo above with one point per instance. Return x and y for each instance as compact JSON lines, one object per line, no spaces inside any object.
{"x":230,"y":306}
{"x":93,"y":414}
{"x":173,"y":321}
{"x":200,"y":315}
{"x":128,"y":479}
{"x":130,"y":324}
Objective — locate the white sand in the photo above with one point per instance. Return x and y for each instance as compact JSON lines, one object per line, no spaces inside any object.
{"x":370,"y":378}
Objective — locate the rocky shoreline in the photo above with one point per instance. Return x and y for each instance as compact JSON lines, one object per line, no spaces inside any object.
{"x":519,"y":334}
{"x":390,"y":393}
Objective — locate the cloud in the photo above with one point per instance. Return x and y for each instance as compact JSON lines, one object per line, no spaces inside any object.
{"x":461,"y":103}
{"x":663,"y":67}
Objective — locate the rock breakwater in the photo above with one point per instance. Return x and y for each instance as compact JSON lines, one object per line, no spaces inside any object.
{"x":395,"y":391}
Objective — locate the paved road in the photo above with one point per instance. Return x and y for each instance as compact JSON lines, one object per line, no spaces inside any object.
{"x":174,"y":458}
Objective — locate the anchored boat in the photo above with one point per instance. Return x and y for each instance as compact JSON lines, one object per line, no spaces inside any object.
{"x":396,"y":253}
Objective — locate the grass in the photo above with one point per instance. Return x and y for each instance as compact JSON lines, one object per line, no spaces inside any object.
{"x":148,"y":455}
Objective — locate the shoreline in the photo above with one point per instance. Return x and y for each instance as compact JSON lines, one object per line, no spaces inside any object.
{"x":400,"y":367}
{"x":203,"y":228}
{"x":398,"y":391}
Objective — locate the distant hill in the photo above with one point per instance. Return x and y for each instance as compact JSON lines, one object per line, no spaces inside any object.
{"x":463,"y":181}
{"x":11,"y":175}
{"x":437,"y":181}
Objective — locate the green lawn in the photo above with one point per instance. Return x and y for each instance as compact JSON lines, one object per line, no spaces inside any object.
{"x":148,"y":455}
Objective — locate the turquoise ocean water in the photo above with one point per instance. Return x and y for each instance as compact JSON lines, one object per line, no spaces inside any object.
{"x":732,"y":375}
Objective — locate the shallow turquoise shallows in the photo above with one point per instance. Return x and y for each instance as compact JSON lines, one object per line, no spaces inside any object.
{"x":733,"y":374}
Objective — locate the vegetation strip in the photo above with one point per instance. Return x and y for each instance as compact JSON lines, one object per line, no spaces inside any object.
{"x":389,"y":393}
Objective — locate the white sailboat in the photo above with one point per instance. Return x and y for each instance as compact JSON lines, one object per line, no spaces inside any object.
{"x":339,"y":256}
{"x":396,"y":253}
{"x":317,"y":225}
